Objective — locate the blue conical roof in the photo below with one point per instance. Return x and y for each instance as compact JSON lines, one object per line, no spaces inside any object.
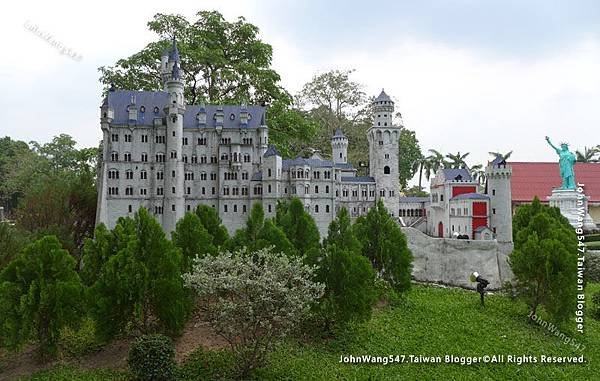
{"x":383,"y":97}
{"x":174,"y":56}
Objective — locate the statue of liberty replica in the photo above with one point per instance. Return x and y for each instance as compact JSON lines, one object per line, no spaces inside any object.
{"x":566,"y":162}
{"x":567,"y":198}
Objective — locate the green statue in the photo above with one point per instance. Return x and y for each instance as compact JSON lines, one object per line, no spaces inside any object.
{"x":567,"y":161}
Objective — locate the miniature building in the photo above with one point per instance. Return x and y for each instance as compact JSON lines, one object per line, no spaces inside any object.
{"x":169,"y":157}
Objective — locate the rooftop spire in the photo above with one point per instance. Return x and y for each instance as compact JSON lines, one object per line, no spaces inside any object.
{"x":174,"y":56}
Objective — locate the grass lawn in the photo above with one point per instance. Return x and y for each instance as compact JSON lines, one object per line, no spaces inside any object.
{"x":432,"y":322}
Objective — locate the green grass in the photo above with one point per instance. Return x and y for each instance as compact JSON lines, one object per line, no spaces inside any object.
{"x":433,"y":321}
{"x":71,"y":373}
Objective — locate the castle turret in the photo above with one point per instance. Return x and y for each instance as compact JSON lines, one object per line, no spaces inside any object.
{"x":383,"y":153}
{"x":174,"y":202}
{"x":339,"y":147}
{"x":498,"y":188}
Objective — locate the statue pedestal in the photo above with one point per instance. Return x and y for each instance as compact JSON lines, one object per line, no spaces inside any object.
{"x":574,"y":206}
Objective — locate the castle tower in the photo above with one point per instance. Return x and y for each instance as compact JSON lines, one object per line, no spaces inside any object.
{"x":339,"y":147}
{"x":383,"y":153}
{"x":498,"y":175}
{"x":174,"y":203}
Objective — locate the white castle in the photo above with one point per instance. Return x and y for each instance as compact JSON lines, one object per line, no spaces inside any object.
{"x":169,"y":157}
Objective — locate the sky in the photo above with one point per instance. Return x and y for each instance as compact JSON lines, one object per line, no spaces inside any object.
{"x":467,"y":75}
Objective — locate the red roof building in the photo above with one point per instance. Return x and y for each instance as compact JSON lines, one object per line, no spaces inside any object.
{"x":538,"y":179}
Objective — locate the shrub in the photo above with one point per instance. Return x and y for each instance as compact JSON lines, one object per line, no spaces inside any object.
{"x":253,"y":299}
{"x":40,"y":293}
{"x":596,"y":305}
{"x":592,"y":267}
{"x":544,"y":260}
{"x":208,"y":365}
{"x":152,"y":357}
{"x":78,"y":341}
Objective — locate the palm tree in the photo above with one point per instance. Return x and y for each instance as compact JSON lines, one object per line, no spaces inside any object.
{"x":423,"y":164}
{"x":457,"y":160}
{"x":504,"y":156}
{"x":435,"y":161}
{"x":588,"y":155}
{"x":478,"y":173}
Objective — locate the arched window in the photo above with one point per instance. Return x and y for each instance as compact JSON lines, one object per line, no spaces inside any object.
{"x":386,"y":170}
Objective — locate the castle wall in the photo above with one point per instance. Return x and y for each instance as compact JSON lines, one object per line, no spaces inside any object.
{"x":451,"y":261}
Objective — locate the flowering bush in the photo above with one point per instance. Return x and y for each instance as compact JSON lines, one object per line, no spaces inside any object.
{"x":253,"y":298}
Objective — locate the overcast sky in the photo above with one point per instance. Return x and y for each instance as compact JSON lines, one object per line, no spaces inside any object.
{"x":470,"y":76}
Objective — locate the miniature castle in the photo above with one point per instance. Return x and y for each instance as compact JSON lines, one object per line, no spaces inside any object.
{"x":169,"y":157}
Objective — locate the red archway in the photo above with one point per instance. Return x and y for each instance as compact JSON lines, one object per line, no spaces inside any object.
{"x":441,"y":230}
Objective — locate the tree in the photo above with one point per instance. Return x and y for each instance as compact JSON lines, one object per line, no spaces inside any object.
{"x":298,"y":226}
{"x":415,"y":192}
{"x":410,"y":158}
{"x":589,"y":155}
{"x":62,"y":204}
{"x":40,"y":293}
{"x":192,"y":239}
{"x":263,"y":296}
{"x":9,"y":151}
{"x":504,"y":156}
{"x":478,"y":173}
{"x":384,"y":244}
{"x":544,"y":259}
{"x":212,"y":223}
{"x":259,"y":234}
{"x":12,"y":241}
{"x":141,"y":285}
{"x":104,"y":244}
{"x":457,"y":160}
{"x":436,"y":161}
{"x":347,"y":275}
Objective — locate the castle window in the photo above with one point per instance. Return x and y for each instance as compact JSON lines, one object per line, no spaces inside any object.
{"x":130,"y":208}
{"x":114,"y":156}
{"x":243,"y":208}
{"x":173,"y":207}
{"x":129,"y":191}
{"x":235,"y":208}
{"x":173,"y":154}
{"x":143,"y":175}
{"x":316,"y":189}
{"x":441,"y":197}
{"x":326,"y":188}
{"x":269,"y":188}
{"x":159,"y":191}
{"x":189,"y":207}
{"x":494,"y":211}
{"x":144,"y":158}
{"x":184,"y":158}
{"x":127,"y":156}
{"x":232,"y":117}
{"x":385,"y":124}
{"x":160,"y":157}
{"x":173,"y":190}
{"x":340,"y":155}
{"x":326,"y":208}
{"x":127,"y":138}
{"x":185,"y":141}
{"x":115,"y":137}
{"x":386,"y":170}
{"x":203,"y":190}
{"x":225,"y":208}
{"x":143,"y":191}
{"x":159,"y":175}
{"x":129,"y":175}
{"x":493,"y":192}
{"x":113,"y":174}
{"x":156,"y":109}
{"x":144,"y":138}
{"x":316,"y":208}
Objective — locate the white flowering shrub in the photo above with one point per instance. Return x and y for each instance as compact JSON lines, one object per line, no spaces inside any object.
{"x":253,"y":298}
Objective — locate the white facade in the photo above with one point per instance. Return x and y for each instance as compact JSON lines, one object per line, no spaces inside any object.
{"x":169,"y":157}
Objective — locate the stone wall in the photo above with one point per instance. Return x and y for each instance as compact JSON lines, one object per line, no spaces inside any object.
{"x":451,"y":261}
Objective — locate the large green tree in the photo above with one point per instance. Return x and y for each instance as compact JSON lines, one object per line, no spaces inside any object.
{"x":212,"y":223}
{"x":40,"y":292}
{"x":141,"y":285}
{"x":192,"y":239}
{"x":347,"y":275}
{"x":385,"y":245}
{"x":222,"y":62}
{"x":544,"y":260}
{"x":260,"y":233}
{"x":298,"y":225}
{"x":410,"y":158}
{"x":12,"y":241}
